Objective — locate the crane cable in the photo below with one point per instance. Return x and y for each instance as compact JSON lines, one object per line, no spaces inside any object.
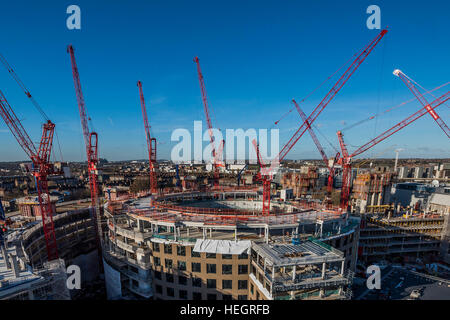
{"x":22,"y":86}
{"x":28,"y":94}
{"x":380,"y":83}
{"x":390,"y":109}
{"x":326,"y":139}
{"x":422,"y":88}
{"x":318,"y":87}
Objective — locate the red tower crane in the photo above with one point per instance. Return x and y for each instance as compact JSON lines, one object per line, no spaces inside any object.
{"x":347,"y":158}
{"x":319,"y":147}
{"x":409,"y":83}
{"x":209,"y":123}
{"x":267,"y":173}
{"x":41,"y":168}
{"x":91,"y":142}
{"x":151,"y":142}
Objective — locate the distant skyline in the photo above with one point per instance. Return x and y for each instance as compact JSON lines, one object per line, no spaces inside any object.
{"x":255,"y":56}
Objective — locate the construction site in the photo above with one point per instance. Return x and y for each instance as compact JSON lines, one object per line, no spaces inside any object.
{"x":268,"y":230}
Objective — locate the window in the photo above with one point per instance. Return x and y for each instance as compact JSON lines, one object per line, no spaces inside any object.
{"x":210,"y":255}
{"x":157,"y":261}
{"x":182,"y":280}
{"x":242,"y":284}
{"x":195,"y":254}
{"x":168,"y":263}
{"x":181,"y":250}
{"x":227,"y":297}
{"x":158,"y":275}
{"x":211,"y":283}
{"x":227,"y":256}
{"x":210,"y":268}
{"x":158,"y":289}
{"x":170,"y":292}
{"x":227,"y":284}
{"x":196,"y":267}
{"x":182,"y":294}
{"x":155,"y":246}
{"x":251,"y":288}
{"x":242,"y":297}
{"x":243,"y":255}
{"x":169,"y":277}
{"x":227,"y":269}
{"x":168,"y":248}
{"x":211,"y":296}
{"x":196,"y":296}
{"x":243,"y":269}
{"x":260,"y":277}
{"x":182,"y":265}
{"x":196,"y":282}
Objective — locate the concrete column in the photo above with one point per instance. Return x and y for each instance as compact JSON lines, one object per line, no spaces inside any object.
{"x":324,"y":266}
{"x":5,"y":256}
{"x":322,"y":293}
{"x":14,"y":265}
{"x":342,"y":267}
{"x":294,"y":269}
{"x":264,"y":267}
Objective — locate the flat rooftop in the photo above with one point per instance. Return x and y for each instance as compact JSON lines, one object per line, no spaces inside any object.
{"x":297,"y":254}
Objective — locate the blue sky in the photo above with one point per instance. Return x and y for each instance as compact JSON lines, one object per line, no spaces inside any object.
{"x":255,"y":55}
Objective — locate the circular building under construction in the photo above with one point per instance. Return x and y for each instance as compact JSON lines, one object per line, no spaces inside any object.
{"x":217,"y":245}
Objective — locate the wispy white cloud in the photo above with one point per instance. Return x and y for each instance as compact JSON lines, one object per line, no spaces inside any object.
{"x":110,"y":121}
{"x":157,"y":101}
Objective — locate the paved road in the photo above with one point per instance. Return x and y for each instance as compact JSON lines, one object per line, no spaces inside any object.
{"x":385,"y":273}
{"x":399,"y":283}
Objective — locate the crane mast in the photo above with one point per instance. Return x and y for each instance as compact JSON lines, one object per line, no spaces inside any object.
{"x":347,"y":158}
{"x":422,"y":100}
{"x":41,"y":168}
{"x":209,"y":123}
{"x":318,"y":145}
{"x":151,"y":142}
{"x":91,"y":143}
{"x":319,"y":108}
{"x":330,"y":95}
{"x":346,"y":171}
